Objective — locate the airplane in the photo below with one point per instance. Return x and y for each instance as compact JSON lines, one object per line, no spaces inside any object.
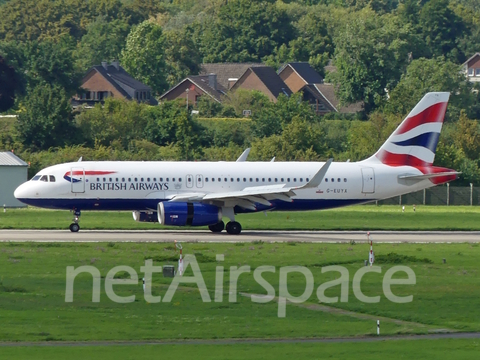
{"x":204,"y":193}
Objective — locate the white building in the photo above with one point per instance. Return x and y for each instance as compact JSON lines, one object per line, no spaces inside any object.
{"x":472,"y":68}
{"x":13,"y":172}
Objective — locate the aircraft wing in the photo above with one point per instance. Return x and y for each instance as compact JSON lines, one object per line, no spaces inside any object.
{"x":248,"y":196}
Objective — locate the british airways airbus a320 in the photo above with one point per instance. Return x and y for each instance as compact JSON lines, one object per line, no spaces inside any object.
{"x":203,"y":193}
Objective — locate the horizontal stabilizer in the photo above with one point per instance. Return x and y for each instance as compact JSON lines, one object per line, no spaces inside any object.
{"x":428,"y":176}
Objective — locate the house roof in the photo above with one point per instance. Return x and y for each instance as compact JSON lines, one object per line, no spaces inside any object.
{"x":271,"y":80}
{"x":10,"y":159}
{"x":305,"y":71}
{"x":120,"y":79}
{"x":225,"y":71}
{"x":202,"y":82}
{"x":328,"y":92}
{"x":471,"y":58}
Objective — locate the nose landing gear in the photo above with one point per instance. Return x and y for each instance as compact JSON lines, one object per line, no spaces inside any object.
{"x":74,"y":227}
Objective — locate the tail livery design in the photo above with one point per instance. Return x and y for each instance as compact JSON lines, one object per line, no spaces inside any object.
{"x":415,"y":140}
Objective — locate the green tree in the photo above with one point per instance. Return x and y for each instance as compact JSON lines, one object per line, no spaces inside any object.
{"x":425,"y":75}
{"x":442,"y":29}
{"x":244,"y":30}
{"x":7,"y":85}
{"x":371,"y":54}
{"x":144,"y":56}
{"x":182,"y":58}
{"x":47,"y":119}
{"x":103,"y":41}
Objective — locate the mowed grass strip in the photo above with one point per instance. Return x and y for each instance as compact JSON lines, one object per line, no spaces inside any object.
{"x":33,"y":282}
{"x":444,"y":349}
{"x":367,"y":217}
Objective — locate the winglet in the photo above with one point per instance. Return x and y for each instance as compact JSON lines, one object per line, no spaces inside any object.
{"x":318,"y":177}
{"x":244,"y":155}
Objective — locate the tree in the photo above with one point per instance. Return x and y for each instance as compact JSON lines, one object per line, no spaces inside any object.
{"x":370,"y":55}
{"x":48,"y":62}
{"x":144,"y":56}
{"x":245,"y":30}
{"x":103,"y":41}
{"x":182,"y":58}
{"x":425,"y":75}
{"x":47,"y":119}
{"x":442,"y":29}
{"x":7,"y":85}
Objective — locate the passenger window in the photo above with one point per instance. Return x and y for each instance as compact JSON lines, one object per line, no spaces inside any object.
{"x":231,"y":179}
{"x":148,"y":179}
{"x":173,"y":179}
{"x":110,"y":179}
{"x":326,"y":180}
{"x":98,"y":179}
{"x":333,"y":180}
{"x":238,"y":179}
{"x":288,"y":179}
{"x":129,"y":179}
{"x":36,"y":177}
{"x":244,"y":180}
{"x":269,"y":179}
{"x":294,"y":179}
{"x":345,"y":180}
{"x":213,"y":179}
{"x":179,"y":179}
{"x":225,"y":179}
{"x":167,"y":180}
{"x":104,"y":179}
{"x":52,"y":178}
{"x":161,"y":179}
{"x":123,"y":179}
{"x":301,"y":179}
{"x":251,"y":180}
{"x":44,"y":178}
{"x":116,"y":179}
{"x":141,"y":179}
{"x":339,"y":180}
{"x":276,"y":179}
{"x":281,"y":179}
{"x":206,"y":179}
{"x":154,"y":179}
{"x":219,"y":180}
{"x":136,"y":179}
{"x":307,"y":179}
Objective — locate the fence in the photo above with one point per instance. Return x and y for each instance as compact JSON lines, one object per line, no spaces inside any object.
{"x":439,"y":195}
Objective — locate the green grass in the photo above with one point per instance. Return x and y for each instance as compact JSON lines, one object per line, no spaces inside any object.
{"x":368,"y":217}
{"x":33,"y":308}
{"x":401,"y":349}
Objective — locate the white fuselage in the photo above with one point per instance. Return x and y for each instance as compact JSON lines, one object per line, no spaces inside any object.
{"x":141,"y":185}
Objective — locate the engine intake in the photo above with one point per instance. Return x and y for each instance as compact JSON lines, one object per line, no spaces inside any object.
{"x":145,"y":216}
{"x":188,"y":214}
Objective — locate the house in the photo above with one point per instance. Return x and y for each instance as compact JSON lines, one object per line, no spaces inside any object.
{"x":13,"y":173}
{"x":263,"y":79}
{"x":472,"y":68}
{"x":192,"y":87}
{"x":298,"y":74}
{"x":111,"y":80}
{"x":227,"y":73}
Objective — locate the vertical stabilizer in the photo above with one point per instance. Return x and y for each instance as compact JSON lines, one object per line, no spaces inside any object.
{"x":415,"y":140}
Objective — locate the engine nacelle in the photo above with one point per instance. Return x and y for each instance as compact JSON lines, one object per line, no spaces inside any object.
{"x":145,"y":216}
{"x":191,"y":214}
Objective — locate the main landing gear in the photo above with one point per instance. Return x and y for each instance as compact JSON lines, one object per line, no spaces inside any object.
{"x":233,"y":227}
{"x":74,"y":227}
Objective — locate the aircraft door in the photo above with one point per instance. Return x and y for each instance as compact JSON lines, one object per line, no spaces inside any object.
{"x":368,"y":181}
{"x":77,"y":180}
{"x":189,"y":181}
{"x":199,"y":181}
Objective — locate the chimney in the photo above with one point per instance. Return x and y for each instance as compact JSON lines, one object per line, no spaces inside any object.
{"x":231,"y":82}
{"x":105,"y":65}
{"x":116,"y":64}
{"x":212,"y":81}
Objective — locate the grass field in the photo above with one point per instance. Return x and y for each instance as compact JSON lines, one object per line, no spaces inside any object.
{"x":404,"y":349}
{"x":367,"y":217}
{"x":33,"y":307}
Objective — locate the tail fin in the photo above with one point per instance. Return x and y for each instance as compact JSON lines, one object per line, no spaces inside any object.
{"x":415,"y":140}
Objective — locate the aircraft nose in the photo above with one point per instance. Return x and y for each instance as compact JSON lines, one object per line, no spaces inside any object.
{"x":21,"y":192}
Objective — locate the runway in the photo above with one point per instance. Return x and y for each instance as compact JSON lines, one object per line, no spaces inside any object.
{"x":245,"y":236}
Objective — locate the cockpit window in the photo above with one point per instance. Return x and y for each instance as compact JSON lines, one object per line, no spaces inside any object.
{"x":36,"y":177}
{"x":44,"y":178}
{"x":52,"y":178}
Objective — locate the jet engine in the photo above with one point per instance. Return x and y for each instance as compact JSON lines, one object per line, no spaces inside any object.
{"x":145,"y":216}
{"x":191,"y":214}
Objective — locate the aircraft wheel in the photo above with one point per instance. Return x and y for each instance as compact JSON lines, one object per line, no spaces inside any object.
{"x":74,"y":227}
{"x":217,"y":227}
{"x":234,"y":228}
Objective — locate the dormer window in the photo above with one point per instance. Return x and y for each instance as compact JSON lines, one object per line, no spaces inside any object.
{"x":470,"y":72}
{"x":477,"y":72}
